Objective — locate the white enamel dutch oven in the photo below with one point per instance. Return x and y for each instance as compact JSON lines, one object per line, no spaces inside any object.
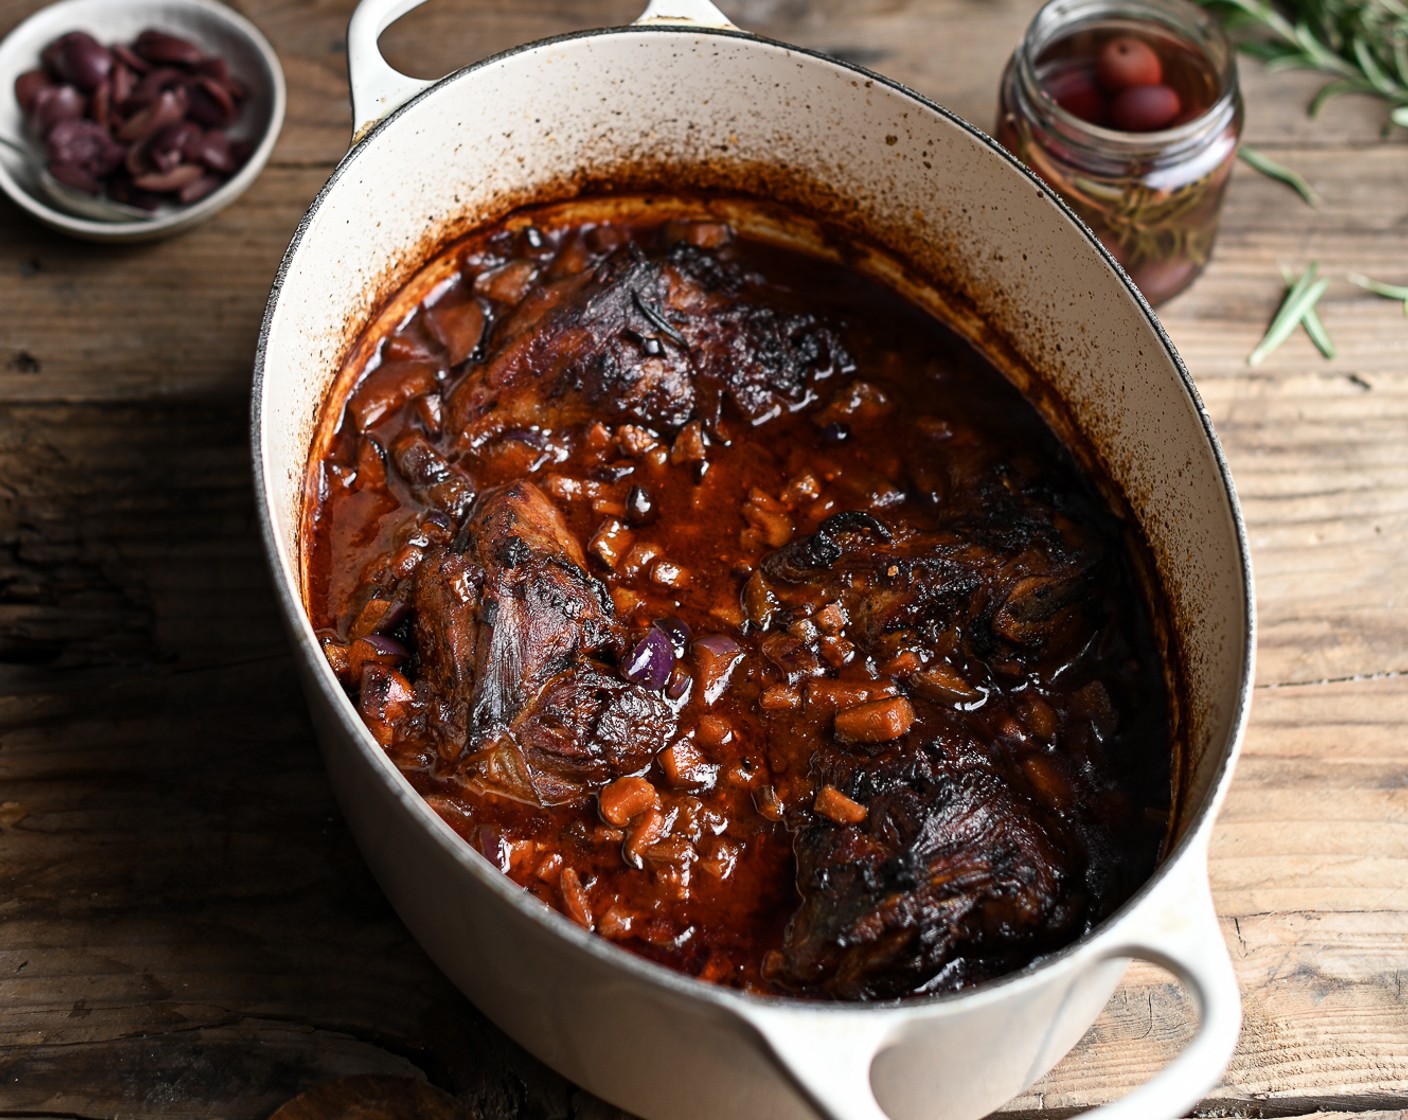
{"x":683,"y":98}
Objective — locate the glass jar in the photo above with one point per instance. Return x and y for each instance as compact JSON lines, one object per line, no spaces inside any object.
{"x":1140,"y":149}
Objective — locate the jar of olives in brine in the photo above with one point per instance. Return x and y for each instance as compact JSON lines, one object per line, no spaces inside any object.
{"x":1131,"y":111}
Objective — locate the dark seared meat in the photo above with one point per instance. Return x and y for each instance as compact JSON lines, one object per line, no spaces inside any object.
{"x":647,"y":338}
{"x":583,"y":729}
{"x":510,"y":628}
{"x":1008,"y":581}
{"x":952,"y":876}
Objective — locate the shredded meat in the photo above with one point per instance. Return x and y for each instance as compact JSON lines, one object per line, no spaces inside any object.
{"x":511,"y":629}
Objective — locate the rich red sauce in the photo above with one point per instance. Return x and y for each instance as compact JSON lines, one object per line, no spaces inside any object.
{"x":1014,"y":660}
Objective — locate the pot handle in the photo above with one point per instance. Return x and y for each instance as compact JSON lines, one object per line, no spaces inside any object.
{"x":830,"y":1063}
{"x":379,"y":89}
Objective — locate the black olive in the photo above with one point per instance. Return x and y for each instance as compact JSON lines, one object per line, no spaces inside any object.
{"x":640,"y":506}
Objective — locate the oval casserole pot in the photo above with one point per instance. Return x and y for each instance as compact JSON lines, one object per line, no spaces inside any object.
{"x":681,"y":99}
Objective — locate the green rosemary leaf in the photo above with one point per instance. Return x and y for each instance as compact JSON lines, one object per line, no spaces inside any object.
{"x":1379,"y":288}
{"x":1273,"y":54}
{"x":1281,"y":173}
{"x":1361,"y":44}
{"x":1303,"y":295}
{"x":1316,"y":330}
{"x":1400,"y":57}
{"x":1332,"y":89}
{"x":1376,"y":74}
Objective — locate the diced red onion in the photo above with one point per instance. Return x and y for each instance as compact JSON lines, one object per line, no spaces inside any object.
{"x":650,"y":662}
{"x":676,"y":630}
{"x":387,"y":647}
{"x":395,"y":615}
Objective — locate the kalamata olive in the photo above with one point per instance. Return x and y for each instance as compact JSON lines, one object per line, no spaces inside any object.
{"x":163,"y":159}
{"x":211,"y":103}
{"x":151,"y":84}
{"x":122,"y":189}
{"x":182,"y":137}
{"x":213,"y":150}
{"x":649,"y":663}
{"x":129,"y":58}
{"x":1075,"y":91}
{"x":212,"y":67}
{"x":836,"y":432}
{"x":82,"y":60}
{"x":1145,"y":108}
{"x":677,"y":630}
{"x":182,"y":175}
{"x":1126,"y":63}
{"x":53,"y":104}
{"x":50,"y":57}
{"x":163,"y":48}
{"x":27,"y":87}
{"x":76,"y":176}
{"x":640,"y":506}
{"x":84,"y":144}
{"x":122,"y":81}
{"x":169,"y":107}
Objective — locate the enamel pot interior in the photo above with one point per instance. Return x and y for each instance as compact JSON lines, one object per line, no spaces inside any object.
{"x":652,"y":107}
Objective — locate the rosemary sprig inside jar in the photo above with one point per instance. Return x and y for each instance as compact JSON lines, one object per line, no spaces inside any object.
{"x":1131,"y":111}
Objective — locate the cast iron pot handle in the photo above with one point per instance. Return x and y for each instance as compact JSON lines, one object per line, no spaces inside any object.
{"x":379,"y":89}
{"x":830,"y":1062}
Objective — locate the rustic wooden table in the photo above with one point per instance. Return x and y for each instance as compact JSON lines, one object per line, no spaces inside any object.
{"x":187,"y":928}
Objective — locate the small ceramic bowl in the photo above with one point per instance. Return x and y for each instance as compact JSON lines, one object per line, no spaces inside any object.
{"x":210,"y":25}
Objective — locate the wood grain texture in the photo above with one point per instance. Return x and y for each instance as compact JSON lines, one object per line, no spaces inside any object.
{"x":186,"y":929}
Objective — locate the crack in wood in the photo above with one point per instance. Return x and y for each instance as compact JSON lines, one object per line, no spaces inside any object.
{"x":1351,"y":678}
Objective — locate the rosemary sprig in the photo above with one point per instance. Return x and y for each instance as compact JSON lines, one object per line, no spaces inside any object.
{"x":1299,"y":303}
{"x":1379,"y":288}
{"x":1280,"y":172}
{"x":1362,"y":45}
{"x":1311,"y":320}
